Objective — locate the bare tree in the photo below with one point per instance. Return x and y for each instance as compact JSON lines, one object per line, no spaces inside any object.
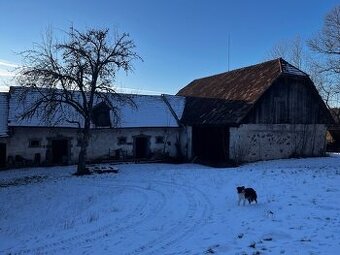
{"x":279,"y":50}
{"x":294,"y":52}
{"x":75,"y":74}
{"x":290,"y":50}
{"x":326,"y":46}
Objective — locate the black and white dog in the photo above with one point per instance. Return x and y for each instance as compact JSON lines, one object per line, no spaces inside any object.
{"x":246,"y":194}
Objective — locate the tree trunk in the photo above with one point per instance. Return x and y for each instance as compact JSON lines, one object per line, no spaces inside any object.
{"x":81,"y":167}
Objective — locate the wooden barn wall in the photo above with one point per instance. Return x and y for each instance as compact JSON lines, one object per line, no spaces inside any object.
{"x":289,"y":101}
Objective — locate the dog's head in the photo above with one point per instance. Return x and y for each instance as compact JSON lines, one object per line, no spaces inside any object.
{"x":240,"y":189}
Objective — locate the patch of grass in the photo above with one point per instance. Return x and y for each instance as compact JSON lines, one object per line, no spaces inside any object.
{"x":92,"y":217}
{"x":69,"y":224}
{"x":23,"y":181}
{"x":268,"y":239}
{"x":252,"y":245}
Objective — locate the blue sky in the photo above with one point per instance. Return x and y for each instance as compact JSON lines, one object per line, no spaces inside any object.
{"x":178,"y":40}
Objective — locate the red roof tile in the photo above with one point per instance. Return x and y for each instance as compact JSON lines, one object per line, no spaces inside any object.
{"x":245,"y":84}
{"x":227,"y":97}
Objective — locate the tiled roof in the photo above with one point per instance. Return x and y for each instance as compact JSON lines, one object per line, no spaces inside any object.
{"x":149,"y":111}
{"x":232,"y":94}
{"x":3,"y":114}
{"x":245,"y":84}
{"x":213,"y":111}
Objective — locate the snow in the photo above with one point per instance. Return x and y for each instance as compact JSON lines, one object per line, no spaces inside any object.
{"x":173,"y":209}
{"x":21,"y":99}
{"x":289,"y":69}
{"x":149,"y":111}
{"x":177,"y":103}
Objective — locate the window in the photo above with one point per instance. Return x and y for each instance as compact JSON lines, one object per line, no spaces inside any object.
{"x":101,"y":115}
{"x":159,"y":139}
{"x":121,"y":140}
{"x":34,"y":143}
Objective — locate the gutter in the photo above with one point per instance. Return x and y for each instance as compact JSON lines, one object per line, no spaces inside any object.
{"x":172,"y":110}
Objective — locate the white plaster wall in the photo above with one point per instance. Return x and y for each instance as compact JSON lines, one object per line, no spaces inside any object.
{"x":103,"y":142}
{"x":18,"y":142}
{"x":252,"y":142}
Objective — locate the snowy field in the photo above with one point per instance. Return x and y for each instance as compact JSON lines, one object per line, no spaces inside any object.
{"x":173,"y":209}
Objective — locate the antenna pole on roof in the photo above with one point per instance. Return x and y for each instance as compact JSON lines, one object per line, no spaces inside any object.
{"x":228,"y":50}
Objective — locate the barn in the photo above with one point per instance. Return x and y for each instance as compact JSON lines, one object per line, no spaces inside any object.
{"x":266,"y":111}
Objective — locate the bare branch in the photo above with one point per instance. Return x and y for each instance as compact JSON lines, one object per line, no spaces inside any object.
{"x":76,"y":74}
{"x":326,"y":46}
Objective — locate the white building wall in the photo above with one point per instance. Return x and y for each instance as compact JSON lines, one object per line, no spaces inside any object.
{"x":103,"y":142}
{"x":18,"y":143}
{"x":252,"y":142}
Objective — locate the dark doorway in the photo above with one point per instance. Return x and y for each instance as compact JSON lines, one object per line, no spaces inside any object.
{"x":60,"y":151}
{"x":2,"y":154}
{"x":211,"y":143}
{"x":141,"y":149}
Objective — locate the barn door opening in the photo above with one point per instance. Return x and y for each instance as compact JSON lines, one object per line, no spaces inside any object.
{"x":211,"y":143}
{"x":2,"y":155}
{"x":60,"y":151}
{"x":141,"y":147}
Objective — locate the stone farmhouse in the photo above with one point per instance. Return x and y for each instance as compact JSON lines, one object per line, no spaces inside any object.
{"x":150,"y":129}
{"x":266,"y":111}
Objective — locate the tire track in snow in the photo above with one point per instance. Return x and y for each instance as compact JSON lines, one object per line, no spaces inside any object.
{"x":103,"y":231}
{"x":199,"y":210}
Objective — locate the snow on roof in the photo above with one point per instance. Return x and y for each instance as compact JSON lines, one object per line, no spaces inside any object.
{"x":148,"y":111}
{"x":177,"y":103}
{"x":3,"y":113}
{"x":21,"y":99}
{"x":290,"y":69}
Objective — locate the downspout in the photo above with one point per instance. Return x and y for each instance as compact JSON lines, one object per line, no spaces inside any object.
{"x":177,"y":120}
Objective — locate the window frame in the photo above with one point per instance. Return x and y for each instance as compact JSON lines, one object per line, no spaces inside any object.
{"x":31,"y":143}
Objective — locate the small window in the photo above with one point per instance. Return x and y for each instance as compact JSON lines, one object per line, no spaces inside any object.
{"x":34,"y":143}
{"x":159,"y":139}
{"x":101,"y":115}
{"x":121,"y":140}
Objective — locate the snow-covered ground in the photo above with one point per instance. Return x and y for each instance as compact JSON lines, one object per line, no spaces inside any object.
{"x":173,"y":209}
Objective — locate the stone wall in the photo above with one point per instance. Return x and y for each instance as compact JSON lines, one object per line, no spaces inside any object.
{"x":252,"y":142}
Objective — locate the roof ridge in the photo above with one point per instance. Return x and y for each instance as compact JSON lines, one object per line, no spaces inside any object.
{"x":18,"y":87}
{"x":284,"y":70}
{"x":280,"y":64}
{"x":240,"y":68}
